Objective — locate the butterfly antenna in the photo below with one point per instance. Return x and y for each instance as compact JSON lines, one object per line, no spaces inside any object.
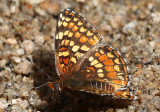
{"x":28,"y":59}
{"x":40,"y":86}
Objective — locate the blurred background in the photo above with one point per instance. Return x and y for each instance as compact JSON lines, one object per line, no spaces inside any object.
{"x":27,"y":29}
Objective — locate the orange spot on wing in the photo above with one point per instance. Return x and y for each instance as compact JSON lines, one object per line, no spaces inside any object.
{"x":125,"y":69}
{"x":124,"y":94}
{"x":83,"y":39}
{"x":75,"y":28}
{"x":63,"y":48}
{"x":109,"y":49}
{"x":103,"y":58}
{"x":91,"y":68}
{"x":72,"y":14}
{"x":77,"y":34}
{"x":70,"y":65}
{"x":66,"y":12}
{"x":118,"y":93}
{"x":112,"y":75}
{"x":51,"y":85}
{"x":71,"y":25}
{"x":108,"y":62}
{"x":88,"y":75}
{"x":67,"y":42}
{"x":131,"y":97}
{"x":116,"y":53}
{"x":92,"y":42}
{"x":83,"y":20}
{"x":117,"y":82}
{"x":87,"y":25}
{"x":60,"y":60}
{"x":98,"y":37}
{"x":58,"y":64}
{"x":92,"y":30}
{"x":122,"y":61}
{"x":66,"y":61}
{"x":109,"y":68}
{"x":97,"y":54}
{"x":126,"y":76}
{"x":125,"y":82}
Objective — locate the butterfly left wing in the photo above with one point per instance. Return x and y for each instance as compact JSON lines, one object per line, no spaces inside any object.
{"x":75,"y":39}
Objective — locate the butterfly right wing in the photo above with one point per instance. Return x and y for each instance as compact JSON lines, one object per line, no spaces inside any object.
{"x":103,"y":72}
{"x":75,"y":39}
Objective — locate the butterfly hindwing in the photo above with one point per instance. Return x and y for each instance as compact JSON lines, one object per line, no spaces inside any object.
{"x":104,"y":71}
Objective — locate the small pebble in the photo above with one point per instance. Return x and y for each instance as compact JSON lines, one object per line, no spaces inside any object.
{"x":23,"y":67}
{"x":28,"y":46}
{"x":16,"y":59}
{"x":35,"y":1}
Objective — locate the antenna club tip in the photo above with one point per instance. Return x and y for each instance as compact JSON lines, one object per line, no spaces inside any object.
{"x":33,"y":89}
{"x":27,"y":58}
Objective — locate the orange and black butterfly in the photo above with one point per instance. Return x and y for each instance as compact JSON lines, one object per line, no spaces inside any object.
{"x":83,"y":64}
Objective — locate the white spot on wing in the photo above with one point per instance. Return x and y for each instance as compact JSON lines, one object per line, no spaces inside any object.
{"x":67,"y":9}
{"x":73,"y":12}
{"x":75,"y":48}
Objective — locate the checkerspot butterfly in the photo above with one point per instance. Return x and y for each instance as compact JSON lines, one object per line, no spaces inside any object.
{"x":83,"y":64}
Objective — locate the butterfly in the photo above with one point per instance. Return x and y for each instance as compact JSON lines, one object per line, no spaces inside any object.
{"x":83,"y":63}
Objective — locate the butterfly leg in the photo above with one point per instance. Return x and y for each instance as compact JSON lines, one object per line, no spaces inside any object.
{"x":55,"y":86}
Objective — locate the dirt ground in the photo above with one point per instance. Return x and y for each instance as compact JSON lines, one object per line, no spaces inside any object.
{"x":27,"y":29}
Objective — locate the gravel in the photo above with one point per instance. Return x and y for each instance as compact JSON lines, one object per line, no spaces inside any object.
{"x":27,"y":29}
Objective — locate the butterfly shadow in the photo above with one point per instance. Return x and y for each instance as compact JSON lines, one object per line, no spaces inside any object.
{"x":66,"y":100}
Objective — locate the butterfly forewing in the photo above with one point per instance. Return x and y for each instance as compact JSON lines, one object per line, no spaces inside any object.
{"x":75,"y":39}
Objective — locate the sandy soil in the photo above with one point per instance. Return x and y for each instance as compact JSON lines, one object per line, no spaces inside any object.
{"x":27,"y":29}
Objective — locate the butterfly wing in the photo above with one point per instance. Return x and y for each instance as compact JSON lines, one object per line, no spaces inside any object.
{"x":103,"y":72}
{"x":75,"y":39}
{"x":83,"y":64}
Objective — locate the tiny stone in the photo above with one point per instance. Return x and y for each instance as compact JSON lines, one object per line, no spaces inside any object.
{"x":11,"y":41}
{"x":156,"y":17}
{"x":3,"y":62}
{"x":121,"y":110}
{"x":16,"y":59}
{"x":40,"y":11}
{"x":39,"y":39}
{"x":129,"y":27}
{"x":13,"y":9}
{"x":152,"y":44}
{"x":24,"y":92}
{"x":18,"y":77}
{"x":29,"y":46}
{"x":110,"y":110}
{"x":24,"y":79}
{"x":23,"y":67}
{"x":14,"y":101}
{"x":19,"y":52}
{"x":35,"y":1}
